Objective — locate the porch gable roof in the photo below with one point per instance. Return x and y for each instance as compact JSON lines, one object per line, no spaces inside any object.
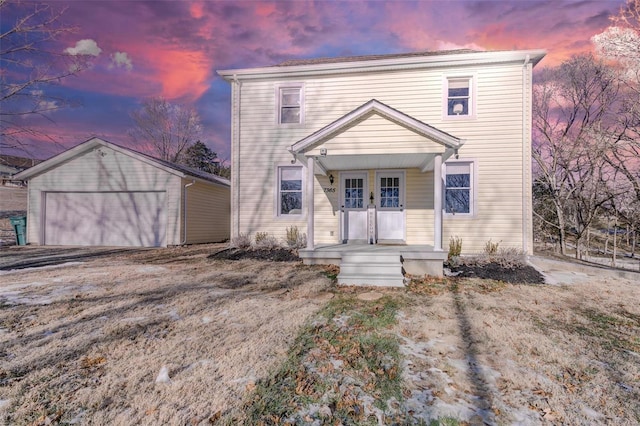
{"x":437,"y":142}
{"x":364,"y":111}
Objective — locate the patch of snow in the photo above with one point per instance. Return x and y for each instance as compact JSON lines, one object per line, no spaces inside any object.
{"x":173,"y":314}
{"x":206,"y":320}
{"x":341,"y":320}
{"x":151,"y":269}
{"x":336,"y":363}
{"x":163,"y":376}
{"x":417,"y":349}
{"x":133,"y":319}
{"x":78,"y":419}
{"x":525,"y":417}
{"x":591,"y":413}
{"x":4,"y":403}
{"x":15,"y":298}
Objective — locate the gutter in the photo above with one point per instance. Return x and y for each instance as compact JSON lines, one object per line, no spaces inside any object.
{"x":476,"y":58}
{"x":184,"y":212}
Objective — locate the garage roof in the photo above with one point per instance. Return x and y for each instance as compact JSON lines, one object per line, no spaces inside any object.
{"x":93,"y":143}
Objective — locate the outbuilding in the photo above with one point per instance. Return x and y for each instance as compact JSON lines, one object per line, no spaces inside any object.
{"x":102,"y":194}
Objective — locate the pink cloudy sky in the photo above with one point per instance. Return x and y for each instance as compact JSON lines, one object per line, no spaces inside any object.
{"x":173,"y":48}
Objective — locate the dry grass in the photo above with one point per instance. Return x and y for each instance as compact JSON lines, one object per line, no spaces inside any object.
{"x":86,"y":343}
{"x":524,"y":354}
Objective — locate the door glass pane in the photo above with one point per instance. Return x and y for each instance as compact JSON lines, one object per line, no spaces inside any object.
{"x":354,"y":193}
{"x":390,"y":192}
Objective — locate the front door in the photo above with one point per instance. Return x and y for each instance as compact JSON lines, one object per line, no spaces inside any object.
{"x":353,"y":199}
{"x":390,"y":206}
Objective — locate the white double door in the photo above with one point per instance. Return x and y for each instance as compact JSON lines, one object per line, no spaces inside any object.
{"x":389,"y":202}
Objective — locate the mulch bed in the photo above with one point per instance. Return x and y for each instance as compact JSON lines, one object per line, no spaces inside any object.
{"x":275,"y":255}
{"x":524,"y":274}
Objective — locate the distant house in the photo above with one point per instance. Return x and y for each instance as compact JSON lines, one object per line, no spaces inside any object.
{"x":399,"y":152}
{"x":102,"y":194}
{"x":11,"y":165}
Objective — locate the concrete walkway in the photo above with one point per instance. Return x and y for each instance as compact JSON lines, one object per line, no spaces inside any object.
{"x":558,"y":272}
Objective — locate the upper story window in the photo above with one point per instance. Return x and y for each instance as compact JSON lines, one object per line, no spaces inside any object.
{"x":459,"y":97}
{"x":290,"y":104}
{"x":459,"y":188}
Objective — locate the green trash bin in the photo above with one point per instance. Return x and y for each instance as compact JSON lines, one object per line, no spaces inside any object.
{"x":19,"y":224}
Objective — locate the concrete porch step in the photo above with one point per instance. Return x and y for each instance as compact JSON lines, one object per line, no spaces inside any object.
{"x":371,"y":268}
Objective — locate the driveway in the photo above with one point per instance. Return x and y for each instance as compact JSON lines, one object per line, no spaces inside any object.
{"x":21,"y":257}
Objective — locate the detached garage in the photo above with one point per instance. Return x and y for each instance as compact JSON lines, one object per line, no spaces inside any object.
{"x":102,"y":194}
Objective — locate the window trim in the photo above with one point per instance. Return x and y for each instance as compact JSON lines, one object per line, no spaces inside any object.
{"x":278,"y":94}
{"x":276,"y":205}
{"x":473,"y":190}
{"x":472,"y":96}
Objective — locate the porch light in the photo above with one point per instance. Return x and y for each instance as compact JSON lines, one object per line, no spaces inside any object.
{"x":331,"y":179}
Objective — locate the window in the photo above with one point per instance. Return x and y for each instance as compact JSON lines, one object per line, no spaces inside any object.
{"x":290,"y":105}
{"x":289,"y":190}
{"x":459,"y":188}
{"x":459,"y":97}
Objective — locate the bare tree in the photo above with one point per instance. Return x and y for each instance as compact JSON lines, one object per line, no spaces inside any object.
{"x":166,"y":128}
{"x":573,"y":103}
{"x":30,"y":62}
{"x":621,"y":43}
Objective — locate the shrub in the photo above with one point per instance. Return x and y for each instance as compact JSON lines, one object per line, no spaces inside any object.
{"x":490,"y":247}
{"x":509,"y":258}
{"x":266,"y":241}
{"x":295,"y":239}
{"x":455,"y":247}
{"x":261,"y":236}
{"x":242,"y":241}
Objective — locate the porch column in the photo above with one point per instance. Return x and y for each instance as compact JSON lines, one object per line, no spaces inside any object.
{"x":437,"y":203}
{"x":309,"y":191}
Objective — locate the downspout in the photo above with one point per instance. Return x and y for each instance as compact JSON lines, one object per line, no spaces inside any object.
{"x":235,"y":157}
{"x":184,"y":212}
{"x":526,"y":156}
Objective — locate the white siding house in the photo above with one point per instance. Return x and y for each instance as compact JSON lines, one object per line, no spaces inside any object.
{"x":403,"y":150}
{"x":102,"y":194}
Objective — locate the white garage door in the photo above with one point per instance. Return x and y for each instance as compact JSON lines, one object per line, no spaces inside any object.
{"x":134,"y":219}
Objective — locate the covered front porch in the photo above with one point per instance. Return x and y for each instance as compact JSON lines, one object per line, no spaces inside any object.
{"x":374,"y":151}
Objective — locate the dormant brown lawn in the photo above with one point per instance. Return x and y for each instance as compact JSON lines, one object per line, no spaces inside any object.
{"x":86,"y":343}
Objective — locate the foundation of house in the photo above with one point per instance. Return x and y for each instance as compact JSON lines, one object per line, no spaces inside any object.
{"x":377,"y":264}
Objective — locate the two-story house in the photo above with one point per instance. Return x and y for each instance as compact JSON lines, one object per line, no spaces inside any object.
{"x":385,"y":157}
